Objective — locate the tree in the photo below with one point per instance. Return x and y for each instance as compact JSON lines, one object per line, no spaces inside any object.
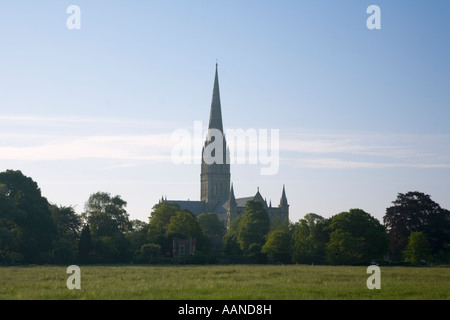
{"x":278,"y":246}
{"x":11,"y":233}
{"x":231,"y":244}
{"x":158,"y":223}
{"x":312,"y":220}
{"x":416,"y":212}
{"x":254,"y":225}
{"x":417,"y":248}
{"x":112,"y":208}
{"x":310,"y":238}
{"x":184,"y":225}
{"x":108,"y":222}
{"x":137,"y":237}
{"x":67,"y":222}
{"x":356,"y":238}
{"x":210,"y":224}
{"x":344,"y":248}
{"x":85,"y":244}
{"x":33,"y":216}
{"x":213,"y":230}
{"x":149,"y":251}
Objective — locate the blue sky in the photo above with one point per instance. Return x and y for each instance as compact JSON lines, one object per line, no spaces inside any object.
{"x":362,"y":114}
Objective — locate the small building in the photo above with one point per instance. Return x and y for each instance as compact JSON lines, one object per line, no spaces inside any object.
{"x":182,"y":247}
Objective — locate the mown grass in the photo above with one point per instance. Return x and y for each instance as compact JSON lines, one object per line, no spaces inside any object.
{"x":231,"y":282}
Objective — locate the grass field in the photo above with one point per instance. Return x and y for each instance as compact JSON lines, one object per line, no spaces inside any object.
{"x":252,"y":282}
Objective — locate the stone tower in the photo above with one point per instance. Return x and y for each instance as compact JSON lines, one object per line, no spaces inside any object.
{"x":215,"y":171}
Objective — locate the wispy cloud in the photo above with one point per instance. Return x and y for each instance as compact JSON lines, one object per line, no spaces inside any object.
{"x":132,"y":141}
{"x":127,"y":147}
{"x":366,"y":150}
{"x":35,"y":138}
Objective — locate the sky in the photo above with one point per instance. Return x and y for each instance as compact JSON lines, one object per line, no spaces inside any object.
{"x":362,"y":114}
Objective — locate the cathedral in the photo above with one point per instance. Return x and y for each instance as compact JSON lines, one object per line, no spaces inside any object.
{"x":216,"y":189}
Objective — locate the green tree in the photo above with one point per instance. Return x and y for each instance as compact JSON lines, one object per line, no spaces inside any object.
{"x":183,"y":225}
{"x":254,"y":225}
{"x":11,"y":233}
{"x":33,"y":216}
{"x":108,"y":222}
{"x":112,"y":208}
{"x":311,"y":236}
{"x":356,"y":238}
{"x":417,"y":248}
{"x":344,"y":248}
{"x":231,"y":244}
{"x":67,"y":222}
{"x":85,"y":244}
{"x":416,"y":212}
{"x":158,"y":223}
{"x":213,"y":229}
{"x":137,"y":237}
{"x":210,"y":224}
{"x":278,"y":246}
{"x":150,"y":251}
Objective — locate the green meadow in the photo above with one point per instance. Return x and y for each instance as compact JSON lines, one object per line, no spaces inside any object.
{"x":218,"y":282}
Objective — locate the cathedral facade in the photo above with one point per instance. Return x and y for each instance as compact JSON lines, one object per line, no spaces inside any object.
{"x":216,"y":189}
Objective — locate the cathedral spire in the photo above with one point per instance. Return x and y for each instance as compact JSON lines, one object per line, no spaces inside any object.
{"x":283,"y":200}
{"x":215,"y":117}
{"x":232,"y":198}
{"x":215,"y":173}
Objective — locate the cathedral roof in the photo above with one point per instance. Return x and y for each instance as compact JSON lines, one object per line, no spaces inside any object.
{"x":242,"y":201}
{"x":195,"y":207}
{"x":221,"y":207}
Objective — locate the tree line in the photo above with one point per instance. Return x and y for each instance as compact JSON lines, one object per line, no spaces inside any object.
{"x":415,"y":230}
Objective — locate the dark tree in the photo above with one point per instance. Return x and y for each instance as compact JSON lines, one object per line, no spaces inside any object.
{"x":158,"y":223}
{"x":213,"y":230}
{"x":278,"y":246}
{"x":210,"y":224}
{"x":109,"y":223}
{"x":356,"y":238}
{"x":35,"y":219}
{"x":103,"y":208}
{"x":230,"y":239}
{"x":68,"y":225}
{"x":184,"y":225}
{"x":254,"y":225}
{"x":310,"y":237}
{"x":416,"y":212}
{"x":11,"y":234}
{"x":67,"y":222}
{"x":85,"y":244}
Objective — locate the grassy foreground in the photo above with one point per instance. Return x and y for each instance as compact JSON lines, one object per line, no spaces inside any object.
{"x":253,"y":282}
